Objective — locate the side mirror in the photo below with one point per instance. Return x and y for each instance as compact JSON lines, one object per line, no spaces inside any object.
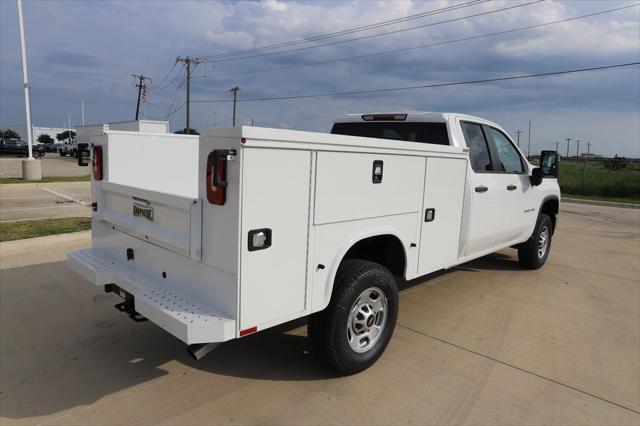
{"x":536,"y":176}
{"x":549,"y":162}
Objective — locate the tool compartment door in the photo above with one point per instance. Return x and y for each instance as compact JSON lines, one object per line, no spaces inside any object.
{"x":275,"y":199}
{"x":441,"y":213}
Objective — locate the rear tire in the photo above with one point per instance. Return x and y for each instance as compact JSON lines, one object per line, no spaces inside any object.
{"x":533,"y":253}
{"x":355,"y":329}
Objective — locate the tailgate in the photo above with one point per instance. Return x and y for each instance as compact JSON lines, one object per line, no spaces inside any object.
{"x":166,"y":220}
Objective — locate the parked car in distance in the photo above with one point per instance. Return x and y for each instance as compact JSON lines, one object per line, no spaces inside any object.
{"x":19,"y":148}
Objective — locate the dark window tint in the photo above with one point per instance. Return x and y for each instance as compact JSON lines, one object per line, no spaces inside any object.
{"x":404,"y":131}
{"x":478,"y":147}
{"x":507,"y":153}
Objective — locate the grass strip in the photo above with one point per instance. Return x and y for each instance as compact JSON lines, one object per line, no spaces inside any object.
{"x":48,"y":179}
{"x":38,"y":228}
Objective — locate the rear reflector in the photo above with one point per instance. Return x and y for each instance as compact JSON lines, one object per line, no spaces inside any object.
{"x":248,"y":331}
{"x":384,"y":117}
{"x":96,"y":163}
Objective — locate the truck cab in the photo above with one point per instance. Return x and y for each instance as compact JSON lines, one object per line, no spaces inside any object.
{"x":502,"y":199}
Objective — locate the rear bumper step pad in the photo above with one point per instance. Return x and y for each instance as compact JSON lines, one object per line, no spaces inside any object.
{"x":181,"y":316}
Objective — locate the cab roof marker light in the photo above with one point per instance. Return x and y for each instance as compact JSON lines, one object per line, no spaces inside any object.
{"x":384,"y":117}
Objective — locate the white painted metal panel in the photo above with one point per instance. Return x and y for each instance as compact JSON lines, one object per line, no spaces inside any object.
{"x":142,"y":126}
{"x":175,"y":219}
{"x":345,"y":190}
{"x":158,"y":162}
{"x":275,"y":196}
{"x":444,"y":193}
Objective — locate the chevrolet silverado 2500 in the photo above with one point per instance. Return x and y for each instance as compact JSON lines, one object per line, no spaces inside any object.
{"x":216,"y":237}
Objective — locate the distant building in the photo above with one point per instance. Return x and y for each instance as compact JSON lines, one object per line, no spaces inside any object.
{"x":21,"y":129}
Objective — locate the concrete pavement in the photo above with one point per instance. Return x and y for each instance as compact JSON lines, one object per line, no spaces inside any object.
{"x":485,"y":343}
{"x":21,"y":201}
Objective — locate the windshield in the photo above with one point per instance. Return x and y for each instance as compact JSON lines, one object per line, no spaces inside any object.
{"x":411,"y":132}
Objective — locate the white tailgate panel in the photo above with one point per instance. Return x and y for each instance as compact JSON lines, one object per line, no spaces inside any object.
{"x":345,"y":191}
{"x":444,"y":192}
{"x":275,"y":196}
{"x":175,"y":224}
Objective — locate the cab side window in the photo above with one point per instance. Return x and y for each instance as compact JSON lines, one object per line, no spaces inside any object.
{"x":508,"y":155}
{"x":478,"y":147}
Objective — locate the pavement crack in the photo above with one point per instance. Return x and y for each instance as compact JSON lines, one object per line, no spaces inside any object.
{"x":446,"y":342}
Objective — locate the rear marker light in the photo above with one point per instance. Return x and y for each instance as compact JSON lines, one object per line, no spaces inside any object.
{"x":217,"y":176}
{"x":248,"y":331}
{"x":96,"y":162}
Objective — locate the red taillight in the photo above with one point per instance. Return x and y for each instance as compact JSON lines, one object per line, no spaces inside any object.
{"x":217,"y":176}
{"x":97,"y":162}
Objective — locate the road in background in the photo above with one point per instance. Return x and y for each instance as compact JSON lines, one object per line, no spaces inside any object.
{"x":22,"y":201}
{"x":52,"y":165}
{"x":484,"y":343}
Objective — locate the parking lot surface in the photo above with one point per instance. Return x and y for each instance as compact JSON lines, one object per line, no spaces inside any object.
{"x":52,"y":165}
{"x":485,"y":343}
{"x":22,"y":201}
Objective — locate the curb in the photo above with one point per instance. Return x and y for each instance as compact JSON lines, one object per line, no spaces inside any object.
{"x":600,"y":203}
{"x":47,"y":239}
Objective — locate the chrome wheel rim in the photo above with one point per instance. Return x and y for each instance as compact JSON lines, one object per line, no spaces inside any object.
{"x":543,"y":242}
{"x":367,"y":319}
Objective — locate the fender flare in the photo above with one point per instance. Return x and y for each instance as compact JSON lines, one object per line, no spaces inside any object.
{"x":351,"y":241}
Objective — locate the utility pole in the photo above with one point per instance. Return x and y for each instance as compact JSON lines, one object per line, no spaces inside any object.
{"x":518,"y":136}
{"x":140,"y":79}
{"x":214,"y":119}
{"x":82,"y":111}
{"x":188,"y":61}
{"x":568,"y":140}
{"x":235,"y":98}
{"x":578,"y":149}
{"x":557,"y":145}
{"x":529,"y":142}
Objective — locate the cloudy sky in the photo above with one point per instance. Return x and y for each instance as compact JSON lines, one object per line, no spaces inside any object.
{"x":89,"y":50}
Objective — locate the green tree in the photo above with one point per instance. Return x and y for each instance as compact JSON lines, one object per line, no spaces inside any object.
{"x":9,"y":134}
{"x":45,"y":138}
{"x":65,"y":135}
{"x":184,"y":132}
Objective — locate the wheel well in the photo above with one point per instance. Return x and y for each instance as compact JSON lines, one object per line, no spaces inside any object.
{"x":550,"y":208}
{"x":386,"y":250}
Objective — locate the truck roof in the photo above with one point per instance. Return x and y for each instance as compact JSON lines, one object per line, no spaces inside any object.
{"x":409,"y":116}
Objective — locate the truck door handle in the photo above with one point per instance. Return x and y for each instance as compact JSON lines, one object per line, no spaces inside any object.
{"x":511,"y":187}
{"x":481,"y":188}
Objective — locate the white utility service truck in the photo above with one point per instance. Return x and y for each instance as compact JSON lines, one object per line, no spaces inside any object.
{"x":220,"y":236}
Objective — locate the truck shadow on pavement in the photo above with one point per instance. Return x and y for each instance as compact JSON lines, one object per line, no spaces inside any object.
{"x":64,"y":345}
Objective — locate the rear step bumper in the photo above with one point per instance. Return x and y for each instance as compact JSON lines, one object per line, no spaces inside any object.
{"x":181,"y":316}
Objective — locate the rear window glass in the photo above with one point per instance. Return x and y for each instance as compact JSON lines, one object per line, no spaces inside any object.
{"x":410,"y":132}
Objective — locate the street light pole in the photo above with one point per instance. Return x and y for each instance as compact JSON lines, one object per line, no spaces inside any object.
{"x":31,"y":170}
{"x":27,"y":101}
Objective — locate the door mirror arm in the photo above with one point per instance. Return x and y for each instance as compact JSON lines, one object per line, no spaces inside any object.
{"x":536,"y":176}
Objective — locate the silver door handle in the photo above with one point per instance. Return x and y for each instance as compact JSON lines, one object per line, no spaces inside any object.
{"x":511,"y":187}
{"x":481,"y":188}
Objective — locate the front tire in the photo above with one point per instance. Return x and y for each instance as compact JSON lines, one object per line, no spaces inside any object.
{"x":355,"y":329}
{"x":533,"y":253}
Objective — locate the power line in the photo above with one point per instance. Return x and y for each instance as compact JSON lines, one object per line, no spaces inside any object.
{"x":349,"y":30}
{"x":376,"y":35}
{"x":395,"y":51}
{"x":165,"y":77}
{"x":424,"y":86}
